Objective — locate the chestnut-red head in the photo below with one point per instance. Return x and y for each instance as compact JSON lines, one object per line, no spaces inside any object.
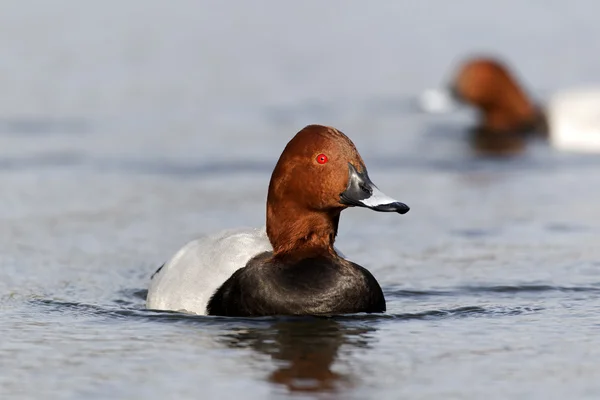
{"x":319,"y":173}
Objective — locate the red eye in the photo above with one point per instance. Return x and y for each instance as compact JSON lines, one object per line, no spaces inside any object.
{"x":322,"y":159}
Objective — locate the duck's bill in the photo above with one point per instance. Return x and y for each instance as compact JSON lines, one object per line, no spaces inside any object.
{"x":439,"y":101}
{"x":361,"y":192}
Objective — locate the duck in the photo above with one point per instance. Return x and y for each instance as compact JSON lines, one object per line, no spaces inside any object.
{"x":569,"y":120}
{"x":508,"y":116}
{"x":291,"y":266}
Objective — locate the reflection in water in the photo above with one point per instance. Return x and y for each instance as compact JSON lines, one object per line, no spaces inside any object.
{"x":304,"y":351}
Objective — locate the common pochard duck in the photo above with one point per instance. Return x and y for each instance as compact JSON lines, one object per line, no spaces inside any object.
{"x":292,"y":267}
{"x":570,"y":118}
{"x":508,"y":116}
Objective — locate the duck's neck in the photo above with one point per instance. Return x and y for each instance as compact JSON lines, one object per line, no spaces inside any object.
{"x":293,"y":231}
{"x":513,"y":112}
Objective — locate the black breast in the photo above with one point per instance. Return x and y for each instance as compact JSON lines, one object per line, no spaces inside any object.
{"x":310,"y":286}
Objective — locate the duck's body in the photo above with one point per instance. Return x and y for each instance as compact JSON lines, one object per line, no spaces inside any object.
{"x":292,"y":268}
{"x":319,"y":284}
{"x":188,"y":280}
{"x":574,"y":119}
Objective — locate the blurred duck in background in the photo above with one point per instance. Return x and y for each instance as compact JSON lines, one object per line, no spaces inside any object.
{"x":508,"y":116}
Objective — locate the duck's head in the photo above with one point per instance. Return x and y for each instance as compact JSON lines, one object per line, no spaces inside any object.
{"x":488,"y":85}
{"x":319,"y":174}
{"x":321,"y":170}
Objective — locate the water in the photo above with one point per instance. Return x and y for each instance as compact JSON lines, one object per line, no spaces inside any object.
{"x":128,"y":129}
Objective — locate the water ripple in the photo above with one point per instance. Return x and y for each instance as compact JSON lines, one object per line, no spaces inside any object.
{"x":514,"y":289}
{"x":91,"y":310}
